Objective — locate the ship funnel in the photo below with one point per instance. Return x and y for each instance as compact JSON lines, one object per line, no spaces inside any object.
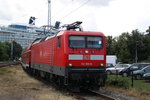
{"x":57,"y":24}
{"x":32,"y":20}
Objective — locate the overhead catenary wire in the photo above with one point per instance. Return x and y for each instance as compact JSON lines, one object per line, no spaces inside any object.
{"x":61,"y":10}
{"x":74,"y":10}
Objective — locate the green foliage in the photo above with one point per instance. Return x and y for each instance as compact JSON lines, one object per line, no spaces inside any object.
{"x":142,"y":85}
{"x":17,"y":49}
{"x":126,"y":44}
{"x":5,"y":51}
{"x":110,"y":45}
{"x":118,"y":81}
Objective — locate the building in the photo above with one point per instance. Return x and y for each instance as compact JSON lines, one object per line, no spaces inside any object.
{"x":21,"y":33}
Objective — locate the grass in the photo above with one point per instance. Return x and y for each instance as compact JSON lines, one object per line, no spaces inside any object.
{"x":142,"y":85}
{"x":4,"y":71}
{"x":138,"y":84}
{"x":15,"y":84}
{"x":140,"y":89}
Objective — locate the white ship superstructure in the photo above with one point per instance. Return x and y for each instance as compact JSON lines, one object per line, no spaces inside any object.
{"x":21,"y":33}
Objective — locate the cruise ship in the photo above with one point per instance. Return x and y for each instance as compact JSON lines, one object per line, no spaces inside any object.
{"x":24,"y":34}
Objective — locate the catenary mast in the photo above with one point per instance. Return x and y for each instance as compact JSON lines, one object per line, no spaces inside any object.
{"x":49,"y":14}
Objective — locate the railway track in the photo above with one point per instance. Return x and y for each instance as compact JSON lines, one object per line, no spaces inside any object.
{"x":86,"y":95}
{"x":106,"y":97}
{"x":92,"y":95}
{"x":9,"y":63}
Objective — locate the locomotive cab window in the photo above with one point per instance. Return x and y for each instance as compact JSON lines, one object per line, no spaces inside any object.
{"x":94,"y":42}
{"x":77,"y":41}
{"x":59,"y":42}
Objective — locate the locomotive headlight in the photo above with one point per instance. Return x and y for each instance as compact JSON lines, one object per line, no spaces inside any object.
{"x":70,"y":64}
{"x":86,"y":51}
{"x":101,"y":64}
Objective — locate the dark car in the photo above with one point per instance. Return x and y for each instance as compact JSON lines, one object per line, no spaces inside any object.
{"x":138,"y":74}
{"x":137,"y":66}
{"x":146,"y":76}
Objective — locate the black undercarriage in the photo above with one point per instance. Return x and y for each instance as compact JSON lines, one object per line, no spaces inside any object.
{"x":75,"y":78}
{"x":86,"y":77}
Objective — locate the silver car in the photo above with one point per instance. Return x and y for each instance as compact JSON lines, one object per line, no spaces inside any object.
{"x":116,"y":69}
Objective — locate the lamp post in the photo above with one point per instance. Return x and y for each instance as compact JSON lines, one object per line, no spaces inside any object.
{"x":136,"y":58}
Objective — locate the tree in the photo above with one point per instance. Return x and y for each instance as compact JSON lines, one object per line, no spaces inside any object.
{"x":5,"y":50}
{"x":110,"y":45}
{"x":148,"y":30}
{"x":17,"y":49}
{"x":122,"y":49}
{"x":127,"y":44}
{"x":136,"y":45}
{"x":146,"y":47}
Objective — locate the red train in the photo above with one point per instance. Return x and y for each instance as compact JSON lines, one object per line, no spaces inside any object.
{"x":72,"y":58}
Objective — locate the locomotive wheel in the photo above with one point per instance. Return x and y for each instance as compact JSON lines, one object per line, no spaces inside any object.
{"x":42,"y":74}
{"x":60,"y":81}
{"x":37,"y":73}
{"x":47,"y":76}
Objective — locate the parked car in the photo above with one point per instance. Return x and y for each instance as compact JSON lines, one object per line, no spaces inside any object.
{"x":146,"y":76}
{"x":138,"y":74}
{"x":128,"y":71}
{"x":116,"y":69}
{"x":108,"y":65}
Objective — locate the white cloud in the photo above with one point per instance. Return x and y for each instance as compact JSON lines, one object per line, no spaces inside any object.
{"x":88,"y":2}
{"x":112,"y":17}
{"x":99,"y":2}
{"x":4,"y":15}
{"x":123,"y":16}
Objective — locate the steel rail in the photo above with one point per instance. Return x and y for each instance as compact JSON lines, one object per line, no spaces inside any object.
{"x":107,"y":97}
{"x":78,"y":97}
{"x":8,"y":64}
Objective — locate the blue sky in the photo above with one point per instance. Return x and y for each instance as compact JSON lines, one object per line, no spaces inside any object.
{"x":112,"y":17}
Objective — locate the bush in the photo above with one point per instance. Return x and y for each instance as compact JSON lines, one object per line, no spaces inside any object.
{"x":119,"y":81}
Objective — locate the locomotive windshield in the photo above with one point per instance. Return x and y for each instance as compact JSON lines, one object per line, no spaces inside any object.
{"x":85,"y":42}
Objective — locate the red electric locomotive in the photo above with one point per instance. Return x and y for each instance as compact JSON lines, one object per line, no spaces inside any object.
{"x":73,"y":58}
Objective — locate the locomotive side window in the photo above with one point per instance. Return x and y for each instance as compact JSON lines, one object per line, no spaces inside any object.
{"x":85,"y":42}
{"x":77,"y":41}
{"x":59,"y":42}
{"x":94,"y":42}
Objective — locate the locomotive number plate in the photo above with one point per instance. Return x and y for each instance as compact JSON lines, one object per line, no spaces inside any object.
{"x":86,"y":64}
{"x":86,"y":57}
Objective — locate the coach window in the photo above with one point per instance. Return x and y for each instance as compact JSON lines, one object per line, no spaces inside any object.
{"x":59,"y":42}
